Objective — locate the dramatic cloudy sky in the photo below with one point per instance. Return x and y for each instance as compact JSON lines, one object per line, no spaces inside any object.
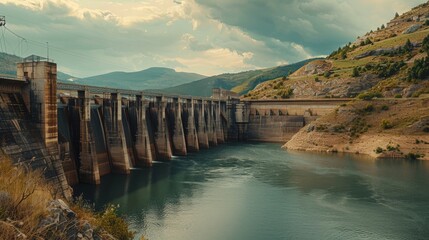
{"x":89,"y":37}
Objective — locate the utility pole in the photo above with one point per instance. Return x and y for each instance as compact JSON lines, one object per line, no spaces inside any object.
{"x":47,"y":50}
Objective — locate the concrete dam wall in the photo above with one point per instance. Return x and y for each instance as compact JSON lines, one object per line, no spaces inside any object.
{"x":77,"y":133}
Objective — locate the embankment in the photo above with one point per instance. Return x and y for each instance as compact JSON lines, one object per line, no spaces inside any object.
{"x":379,"y":128}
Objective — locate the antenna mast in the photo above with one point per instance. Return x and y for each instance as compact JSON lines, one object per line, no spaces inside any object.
{"x":47,"y":50}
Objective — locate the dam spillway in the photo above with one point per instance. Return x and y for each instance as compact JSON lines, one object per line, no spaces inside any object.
{"x":85,"y":132}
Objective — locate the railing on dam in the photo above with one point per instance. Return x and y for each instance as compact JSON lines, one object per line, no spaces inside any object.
{"x":128,"y":92}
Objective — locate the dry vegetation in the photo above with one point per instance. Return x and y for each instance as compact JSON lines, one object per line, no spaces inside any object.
{"x":379,"y":128}
{"x":24,"y":200}
{"x":24,"y":196}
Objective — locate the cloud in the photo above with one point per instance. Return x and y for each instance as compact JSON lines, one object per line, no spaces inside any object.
{"x":211,"y":60}
{"x":203,"y":36}
{"x":319,"y":25}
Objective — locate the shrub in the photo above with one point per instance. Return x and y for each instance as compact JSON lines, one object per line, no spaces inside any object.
{"x":284,"y":94}
{"x":379,"y":150}
{"x":316,"y":79}
{"x":369,"y":108}
{"x":388,"y":70}
{"x":425,"y":44}
{"x":369,"y":95}
{"x":427,"y":22}
{"x":426,"y":129}
{"x":355,"y":72}
{"x":113,"y":224}
{"x":414,"y":156}
{"x":420,"y":69}
{"x":384,"y":108}
{"x":392,"y":148}
{"x":338,"y":128}
{"x":327,"y":74}
{"x":398,"y":96}
{"x":385,"y":124}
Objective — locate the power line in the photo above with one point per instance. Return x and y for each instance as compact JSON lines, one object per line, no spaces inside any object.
{"x":81,"y":56}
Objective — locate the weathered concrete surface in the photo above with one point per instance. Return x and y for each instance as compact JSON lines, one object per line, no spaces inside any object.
{"x":144,"y":152}
{"x":178,"y":133}
{"x":21,"y":141}
{"x":279,"y":120}
{"x":203,"y":139}
{"x":88,"y":169}
{"x":162,"y":136}
{"x":116,"y":142}
{"x":191,"y":136}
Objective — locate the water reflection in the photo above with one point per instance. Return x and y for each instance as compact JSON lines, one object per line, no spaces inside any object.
{"x":258,"y":191}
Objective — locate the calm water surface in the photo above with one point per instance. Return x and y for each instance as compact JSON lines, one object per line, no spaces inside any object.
{"x":258,"y":191}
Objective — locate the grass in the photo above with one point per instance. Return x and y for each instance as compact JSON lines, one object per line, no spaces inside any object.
{"x":391,"y":42}
{"x":24,"y":197}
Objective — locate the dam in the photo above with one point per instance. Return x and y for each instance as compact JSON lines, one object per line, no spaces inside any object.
{"x":79,"y":133}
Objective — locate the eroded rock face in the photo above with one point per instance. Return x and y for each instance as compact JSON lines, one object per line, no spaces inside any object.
{"x":412,"y":29}
{"x":63,"y":222}
{"x":340,"y":87}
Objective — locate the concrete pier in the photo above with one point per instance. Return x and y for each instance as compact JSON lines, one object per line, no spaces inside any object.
{"x":192,"y":144}
{"x":116,"y":143}
{"x":178,"y":133}
{"x":144,"y":150}
{"x":203,"y":139}
{"x":162,"y":136}
{"x":88,"y":169}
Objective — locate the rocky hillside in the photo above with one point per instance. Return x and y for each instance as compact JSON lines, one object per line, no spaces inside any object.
{"x":379,"y":128}
{"x":389,"y":61}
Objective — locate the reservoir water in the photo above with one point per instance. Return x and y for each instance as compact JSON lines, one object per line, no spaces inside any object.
{"x":259,"y":191}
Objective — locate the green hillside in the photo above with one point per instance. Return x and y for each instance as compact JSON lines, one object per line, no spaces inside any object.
{"x":391,"y":61}
{"x":8,"y":67}
{"x":151,"y":78}
{"x":239,"y":82}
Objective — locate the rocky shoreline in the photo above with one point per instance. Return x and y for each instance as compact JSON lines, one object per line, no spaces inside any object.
{"x":378,"y":128}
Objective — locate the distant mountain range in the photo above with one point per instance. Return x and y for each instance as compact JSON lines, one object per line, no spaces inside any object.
{"x":151,"y":78}
{"x":8,"y":67}
{"x":168,"y":80}
{"x":241,"y":82}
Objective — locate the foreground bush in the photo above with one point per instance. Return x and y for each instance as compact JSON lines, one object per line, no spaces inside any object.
{"x":29,"y":209}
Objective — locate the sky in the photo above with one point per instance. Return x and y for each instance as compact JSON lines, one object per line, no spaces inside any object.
{"x":91,"y":37}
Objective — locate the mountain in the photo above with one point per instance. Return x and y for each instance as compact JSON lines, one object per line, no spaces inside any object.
{"x":8,"y":63}
{"x":388,"y":71}
{"x":151,"y":78}
{"x":390,"y":61}
{"x":239,"y":82}
{"x":8,"y":67}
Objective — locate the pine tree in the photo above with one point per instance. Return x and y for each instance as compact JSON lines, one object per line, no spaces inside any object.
{"x":396,"y":15}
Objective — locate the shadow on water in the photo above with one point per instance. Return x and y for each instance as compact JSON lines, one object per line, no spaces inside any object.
{"x":258,"y":173}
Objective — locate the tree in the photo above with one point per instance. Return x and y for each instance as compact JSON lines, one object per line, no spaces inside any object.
{"x":425,"y":44}
{"x":396,"y":15}
{"x":408,"y":47}
{"x":355,"y":72}
{"x":383,"y":27}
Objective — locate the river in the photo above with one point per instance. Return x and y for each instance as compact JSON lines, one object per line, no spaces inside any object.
{"x":259,"y":191}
